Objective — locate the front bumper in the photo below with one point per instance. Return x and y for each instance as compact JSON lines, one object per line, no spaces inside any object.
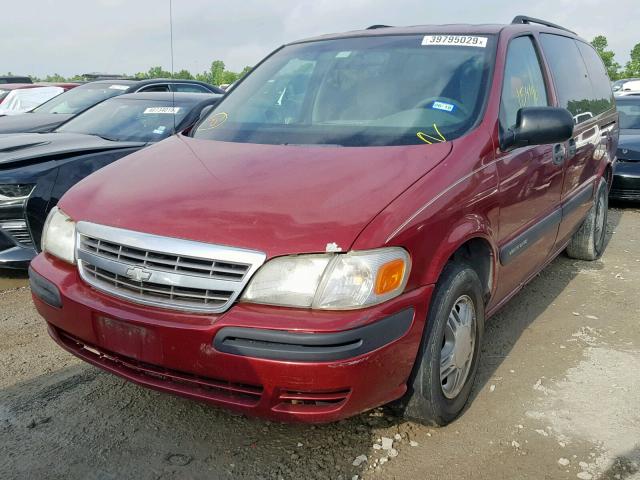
{"x":626,"y":181}
{"x":278,"y":363}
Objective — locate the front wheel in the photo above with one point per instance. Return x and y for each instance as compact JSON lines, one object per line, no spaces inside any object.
{"x":448,"y":358}
{"x":589,"y":241}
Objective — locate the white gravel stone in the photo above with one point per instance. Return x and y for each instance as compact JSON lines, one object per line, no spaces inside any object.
{"x":393,"y":453}
{"x":585,"y":476}
{"x":397,"y":436}
{"x":413,"y":443}
{"x":515,"y":444}
{"x":564,"y":462}
{"x":359,"y":460}
{"x":387,"y":443}
{"x":492,"y":388}
{"x":383,"y":460}
{"x":583,"y":465}
{"x":377,"y":446}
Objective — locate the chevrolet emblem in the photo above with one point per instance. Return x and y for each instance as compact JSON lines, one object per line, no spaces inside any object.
{"x":138,"y":274}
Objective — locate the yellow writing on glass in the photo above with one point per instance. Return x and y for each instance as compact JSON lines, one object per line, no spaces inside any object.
{"x":527,"y":95}
{"x":431,"y":139}
{"x":215,"y":121}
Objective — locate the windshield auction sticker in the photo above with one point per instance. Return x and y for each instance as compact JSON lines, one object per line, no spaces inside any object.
{"x":168,"y":110}
{"x":455,"y":40}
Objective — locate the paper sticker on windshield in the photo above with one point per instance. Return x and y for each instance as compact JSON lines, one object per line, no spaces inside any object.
{"x":168,"y":110}
{"x":446,"y":107}
{"x":119,"y":87}
{"x":455,"y":40}
{"x":346,"y":54}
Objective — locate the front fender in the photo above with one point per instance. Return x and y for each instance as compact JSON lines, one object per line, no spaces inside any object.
{"x":436,"y":216}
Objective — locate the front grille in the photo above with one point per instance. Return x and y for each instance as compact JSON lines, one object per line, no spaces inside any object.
{"x":625,"y":193}
{"x":162,"y":271}
{"x":187,"y":297}
{"x":165,"y":262}
{"x":18,"y":230}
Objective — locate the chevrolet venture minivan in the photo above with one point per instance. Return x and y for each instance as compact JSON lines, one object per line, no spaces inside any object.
{"x":333,"y":236}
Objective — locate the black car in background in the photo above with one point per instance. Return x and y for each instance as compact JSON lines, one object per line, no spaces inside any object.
{"x":36,"y":169}
{"x":14,"y":79}
{"x":626,"y":172}
{"x":58,"y":110}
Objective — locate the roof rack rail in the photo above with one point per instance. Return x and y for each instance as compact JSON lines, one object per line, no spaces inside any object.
{"x":523,"y":19}
{"x":375,"y":27}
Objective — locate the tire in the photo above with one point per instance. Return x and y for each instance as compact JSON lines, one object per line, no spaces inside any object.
{"x":589,"y":241}
{"x":430,"y":400}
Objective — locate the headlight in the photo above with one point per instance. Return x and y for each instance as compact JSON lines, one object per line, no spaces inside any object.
{"x":15,"y":194}
{"x":331,"y":281}
{"x":59,"y":236}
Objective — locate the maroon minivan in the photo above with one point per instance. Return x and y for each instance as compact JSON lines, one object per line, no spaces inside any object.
{"x":334,"y":234}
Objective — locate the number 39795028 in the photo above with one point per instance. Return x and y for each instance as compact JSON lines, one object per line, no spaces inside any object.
{"x":455,"y":40}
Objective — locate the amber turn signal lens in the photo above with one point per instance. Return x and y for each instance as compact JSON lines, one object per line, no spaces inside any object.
{"x":390,"y":276}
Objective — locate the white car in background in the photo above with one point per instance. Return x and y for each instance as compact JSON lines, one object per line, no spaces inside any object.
{"x":631,"y":87}
{"x":24,"y":100}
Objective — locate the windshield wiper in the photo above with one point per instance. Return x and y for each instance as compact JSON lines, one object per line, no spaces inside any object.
{"x":108,"y":139}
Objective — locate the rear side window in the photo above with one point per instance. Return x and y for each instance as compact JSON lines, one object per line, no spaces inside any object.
{"x":579,"y":91}
{"x":523,"y":84}
{"x":188,"y":87}
{"x":603,"y":95}
{"x":155,"y":88}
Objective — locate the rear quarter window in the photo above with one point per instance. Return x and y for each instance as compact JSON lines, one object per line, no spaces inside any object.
{"x":577,"y":76}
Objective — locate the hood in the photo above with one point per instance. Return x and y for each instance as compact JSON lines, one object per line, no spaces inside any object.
{"x":32,"y":122}
{"x":274,"y":198}
{"x":629,"y":145}
{"x":41,"y":146}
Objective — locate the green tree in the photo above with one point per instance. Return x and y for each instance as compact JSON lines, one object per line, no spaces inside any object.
{"x":55,"y":78}
{"x":154,"y":72}
{"x":632,"y":69}
{"x":600,"y":43}
{"x":217,"y":72}
{"x":184,"y":75}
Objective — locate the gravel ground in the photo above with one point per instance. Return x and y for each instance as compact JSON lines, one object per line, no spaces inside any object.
{"x":557,"y":397}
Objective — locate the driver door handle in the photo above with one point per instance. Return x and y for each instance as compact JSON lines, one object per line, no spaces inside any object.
{"x":559,"y":153}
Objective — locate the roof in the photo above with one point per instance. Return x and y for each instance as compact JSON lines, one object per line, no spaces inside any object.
{"x":152,"y":81}
{"x":454,"y":28}
{"x":18,"y":86}
{"x":180,"y":97}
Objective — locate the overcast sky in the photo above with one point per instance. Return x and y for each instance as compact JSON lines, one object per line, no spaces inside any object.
{"x":118,"y":36}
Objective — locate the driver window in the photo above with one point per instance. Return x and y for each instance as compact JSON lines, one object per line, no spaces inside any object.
{"x":523,"y":84}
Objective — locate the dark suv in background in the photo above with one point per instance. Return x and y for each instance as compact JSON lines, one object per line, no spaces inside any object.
{"x":58,"y":110}
{"x":334,"y":234}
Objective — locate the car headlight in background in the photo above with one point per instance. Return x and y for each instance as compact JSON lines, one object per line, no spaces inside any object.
{"x":59,"y":236}
{"x":331,"y":281}
{"x":15,"y":194}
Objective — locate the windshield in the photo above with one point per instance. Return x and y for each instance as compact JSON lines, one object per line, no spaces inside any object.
{"x":80,"y":98}
{"x":629,"y":112}
{"x":391,"y":90}
{"x":129,"y":120}
{"x":3,"y":94}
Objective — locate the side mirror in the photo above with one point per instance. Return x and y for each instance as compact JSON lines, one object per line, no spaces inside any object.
{"x":206,"y":110}
{"x":539,"y":126}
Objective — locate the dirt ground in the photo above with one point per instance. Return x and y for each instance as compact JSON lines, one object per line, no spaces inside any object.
{"x":557,"y":397}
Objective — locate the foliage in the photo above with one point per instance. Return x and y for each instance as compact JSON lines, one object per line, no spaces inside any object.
{"x":600,"y":43}
{"x":632,"y":69}
{"x":216,"y":75}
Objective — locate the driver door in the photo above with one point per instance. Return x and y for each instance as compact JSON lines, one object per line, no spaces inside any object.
{"x":530,"y":178}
